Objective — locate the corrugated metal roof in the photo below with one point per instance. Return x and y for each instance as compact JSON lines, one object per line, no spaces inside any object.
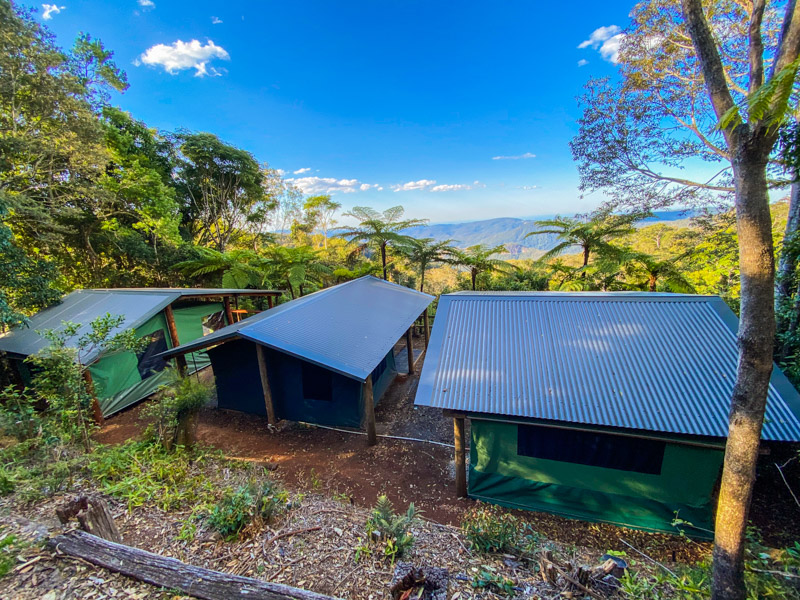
{"x":83,"y":306}
{"x":347,"y":328}
{"x":657,"y":362}
{"x":188,"y":292}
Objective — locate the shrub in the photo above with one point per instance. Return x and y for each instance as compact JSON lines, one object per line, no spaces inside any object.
{"x":391,"y":528}
{"x":18,"y":415}
{"x":173,"y":412}
{"x":490,"y":530}
{"x":239,"y":507}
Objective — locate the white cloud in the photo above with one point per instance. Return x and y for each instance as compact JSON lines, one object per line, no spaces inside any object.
{"x":583,"y":62}
{"x":516,"y":157}
{"x":414,"y":185}
{"x":216,"y":20}
{"x":451,"y":187}
{"x":607,"y":41}
{"x":331,"y":185}
{"x":528,"y":187}
{"x":301,"y":171}
{"x":180,"y":55}
{"x":48,"y":10}
{"x":147,"y":4}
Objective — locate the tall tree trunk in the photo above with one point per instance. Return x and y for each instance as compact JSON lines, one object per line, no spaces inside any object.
{"x":756,"y":338}
{"x":474,"y":274}
{"x":422,"y":281}
{"x":653,"y":283}
{"x":383,"y":261}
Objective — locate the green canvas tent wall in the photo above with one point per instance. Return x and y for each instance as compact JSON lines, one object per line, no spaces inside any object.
{"x":608,"y":407}
{"x":319,"y":351}
{"x":123,"y":378}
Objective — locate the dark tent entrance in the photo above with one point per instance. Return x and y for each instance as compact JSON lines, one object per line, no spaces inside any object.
{"x":301,"y":390}
{"x":645,"y":482}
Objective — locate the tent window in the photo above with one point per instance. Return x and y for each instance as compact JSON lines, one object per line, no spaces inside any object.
{"x":317,"y":383}
{"x":592,"y":449}
{"x":149,"y":363}
{"x":378,"y":371}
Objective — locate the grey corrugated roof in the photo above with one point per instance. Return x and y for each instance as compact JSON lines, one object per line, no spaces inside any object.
{"x":83,"y":306}
{"x":347,"y":328}
{"x":657,"y":362}
{"x":189,"y":292}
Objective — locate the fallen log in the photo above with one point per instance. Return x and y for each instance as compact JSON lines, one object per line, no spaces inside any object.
{"x":171,"y":573}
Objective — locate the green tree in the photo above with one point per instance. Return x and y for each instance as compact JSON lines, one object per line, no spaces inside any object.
{"x":424,"y":253}
{"x":652,"y":271}
{"x":296,"y":267}
{"x":590,"y":235}
{"x":232,"y":269}
{"x":478,"y":259}
{"x":222,"y":185}
{"x":379,"y":231}
{"x":323,"y":209}
{"x":711,"y":84}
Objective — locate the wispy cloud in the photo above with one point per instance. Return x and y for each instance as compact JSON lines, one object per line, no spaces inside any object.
{"x":180,"y":55}
{"x":331,"y":185}
{"x":515,"y":157}
{"x":48,"y":10}
{"x":216,"y":21}
{"x":409,"y":186}
{"x":147,"y":4}
{"x":528,"y":187}
{"x":457,"y":187}
{"x":583,"y":62}
{"x":301,"y":171}
{"x":607,"y":41}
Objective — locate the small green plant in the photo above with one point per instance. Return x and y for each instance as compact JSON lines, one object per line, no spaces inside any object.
{"x":173,"y":414}
{"x":316,"y":482}
{"x":10,"y":547}
{"x":491,"y":530}
{"x":489,"y":579}
{"x":239,"y":507}
{"x":18,"y":414}
{"x":391,"y":529}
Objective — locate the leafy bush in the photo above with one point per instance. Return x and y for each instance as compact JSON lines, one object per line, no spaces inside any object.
{"x":10,"y":547}
{"x":18,"y":415}
{"x":239,"y":507}
{"x":173,"y":411}
{"x":392,"y":529}
{"x":491,"y":530}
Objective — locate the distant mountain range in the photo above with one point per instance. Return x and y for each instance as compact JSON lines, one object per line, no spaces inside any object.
{"x":511,"y":233}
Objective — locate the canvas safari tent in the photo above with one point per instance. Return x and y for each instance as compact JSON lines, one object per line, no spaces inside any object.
{"x":316,"y":359}
{"x":607,"y":407}
{"x":123,"y":378}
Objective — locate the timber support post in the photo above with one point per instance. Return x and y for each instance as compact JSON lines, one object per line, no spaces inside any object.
{"x":262,"y":371}
{"x":270,"y":302}
{"x":427,"y":327}
{"x":97,"y":412}
{"x":410,"y":347}
{"x":461,"y":458}
{"x":369,"y":412}
{"x":226,"y":302}
{"x":180,"y":359}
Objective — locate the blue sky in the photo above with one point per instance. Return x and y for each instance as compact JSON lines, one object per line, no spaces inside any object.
{"x":383,"y":103}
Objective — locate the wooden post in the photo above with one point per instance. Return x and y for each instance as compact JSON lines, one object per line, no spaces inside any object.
{"x":97,"y":412}
{"x":461,"y":459}
{"x":270,"y":303}
{"x":427,"y":326}
{"x":180,"y":360}
{"x":369,"y":412}
{"x":226,"y":302}
{"x":410,"y":347}
{"x":262,"y":371}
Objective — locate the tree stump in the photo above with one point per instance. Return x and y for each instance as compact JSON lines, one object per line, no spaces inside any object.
{"x":93,"y":517}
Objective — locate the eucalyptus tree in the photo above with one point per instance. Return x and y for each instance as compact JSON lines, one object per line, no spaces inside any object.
{"x":710,"y":83}
{"x":378,"y":230}
{"x":222,"y":186}
{"x":425,"y":252}
{"x":478,"y":259}
{"x":322,"y":210}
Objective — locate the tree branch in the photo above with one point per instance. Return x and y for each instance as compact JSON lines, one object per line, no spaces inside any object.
{"x":789,"y":44}
{"x":756,"y":46}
